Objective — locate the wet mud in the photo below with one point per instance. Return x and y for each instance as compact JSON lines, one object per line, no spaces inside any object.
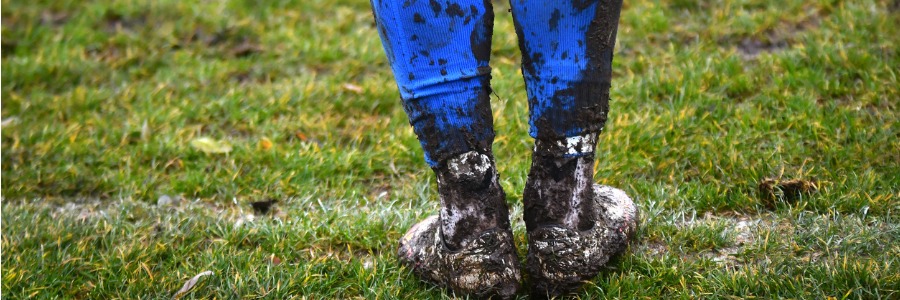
{"x":558,"y":189}
{"x":435,"y":129}
{"x":773,"y":191}
{"x":472,"y":200}
{"x":452,"y":116}
{"x":560,"y":259}
{"x":581,"y":106}
{"x":485,"y":268}
{"x":481,"y":36}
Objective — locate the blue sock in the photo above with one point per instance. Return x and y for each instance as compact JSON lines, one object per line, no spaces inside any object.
{"x":567,"y":49}
{"x":439,"y":53}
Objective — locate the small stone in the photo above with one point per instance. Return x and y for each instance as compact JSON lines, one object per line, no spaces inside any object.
{"x":164,"y":200}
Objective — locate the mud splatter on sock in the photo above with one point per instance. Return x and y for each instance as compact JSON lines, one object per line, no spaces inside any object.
{"x":439,"y":52}
{"x":472,"y":200}
{"x":559,"y":190}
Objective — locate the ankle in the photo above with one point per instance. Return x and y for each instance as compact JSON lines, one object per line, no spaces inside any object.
{"x":470,"y":168}
{"x":575,"y":146}
{"x":560,"y":183}
{"x":472,"y":200}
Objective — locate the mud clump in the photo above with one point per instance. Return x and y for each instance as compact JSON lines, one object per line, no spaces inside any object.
{"x":560,"y":259}
{"x":773,"y":191}
{"x":485,"y":268}
{"x":263,"y":207}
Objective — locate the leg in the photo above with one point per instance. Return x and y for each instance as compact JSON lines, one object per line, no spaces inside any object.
{"x":566,"y":61}
{"x":439,"y":54}
{"x":567,"y":51}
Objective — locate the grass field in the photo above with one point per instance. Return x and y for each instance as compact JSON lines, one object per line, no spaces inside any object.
{"x":104,"y":102}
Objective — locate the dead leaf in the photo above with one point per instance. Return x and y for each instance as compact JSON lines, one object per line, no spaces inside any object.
{"x":190,"y":284}
{"x":353,"y":88}
{"x":301,"y":136}
{"x":51,"y":18}
{"x":208,"y":145}
{"x":275,"y":260}
{"x":265,"y":144}
{"x":245,"y":48}
{"x":174,"y":163}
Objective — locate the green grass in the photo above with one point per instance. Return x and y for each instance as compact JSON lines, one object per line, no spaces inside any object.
{"x":101,"y":99}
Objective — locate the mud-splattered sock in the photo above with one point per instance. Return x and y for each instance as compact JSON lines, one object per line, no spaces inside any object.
{"x":559,"y":190}
{"x":439,"y":52}
{"x":472,"y":200}
{"x":567,"y":50}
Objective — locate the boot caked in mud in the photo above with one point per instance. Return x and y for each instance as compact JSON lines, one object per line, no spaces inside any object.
{"x":574,"y":226}
{"x":468,"y":247}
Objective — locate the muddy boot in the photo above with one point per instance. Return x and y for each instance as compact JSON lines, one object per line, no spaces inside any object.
{"x":574,"y":226}
{"x":469,"y":246}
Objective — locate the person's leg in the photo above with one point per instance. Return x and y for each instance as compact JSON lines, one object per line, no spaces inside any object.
{"x":567,"y":50}
{"x":439,"y":53}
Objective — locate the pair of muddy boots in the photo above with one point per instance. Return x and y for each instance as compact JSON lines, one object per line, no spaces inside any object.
{"x":574,"y":226}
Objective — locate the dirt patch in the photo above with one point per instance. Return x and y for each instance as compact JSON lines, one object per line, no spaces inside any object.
{"x":749,"y":48}
{"x":81,"y":211}
{"x":115,"y":22}
{"x":654,"y":249}
{"x":250,"y":77}
{"x":232,"y":41}
{"x":242,"y":77}
{"x":724,"y":257}
{"x":54,"y":18}
{"x":773,"y":191}
{"x":238,"y":213}
{"x":107,"y":53}
{"x":743,"y":229}
{"x":96,"y":209}
{"x":245,"y":48}
{"x":381,"y":192}
{"x":777,"y":38}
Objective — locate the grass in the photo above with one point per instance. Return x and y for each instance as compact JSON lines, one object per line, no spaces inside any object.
{"x":101,"y":100}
